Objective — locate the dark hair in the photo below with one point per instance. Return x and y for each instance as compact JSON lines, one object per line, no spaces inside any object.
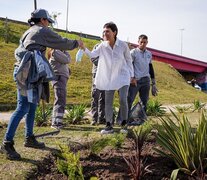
{"x":112,"y":26}
{"x":142,"y":36}
{"x":33,"y":21}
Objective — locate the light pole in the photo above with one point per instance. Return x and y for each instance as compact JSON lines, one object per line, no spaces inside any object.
{"x":181,"y":40}
{"x":67,"y":16}
{"x":35,"y":4}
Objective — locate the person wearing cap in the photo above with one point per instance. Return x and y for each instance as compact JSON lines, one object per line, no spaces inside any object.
{"x":32,"y":44}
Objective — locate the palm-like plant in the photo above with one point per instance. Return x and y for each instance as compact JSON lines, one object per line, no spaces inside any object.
{"x":198,"y":105}
{"x":154,"y":108}
{"x":134,"y":161}
{"x":76,"y":113}
{"x":185,"y":145}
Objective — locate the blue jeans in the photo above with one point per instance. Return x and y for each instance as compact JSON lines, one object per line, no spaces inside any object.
{"x":23,"y":107}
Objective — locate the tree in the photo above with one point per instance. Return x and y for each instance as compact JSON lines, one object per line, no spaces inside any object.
{"x":54,"y":16}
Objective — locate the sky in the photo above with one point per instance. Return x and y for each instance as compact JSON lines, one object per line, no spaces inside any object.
{"x":160,"y":20}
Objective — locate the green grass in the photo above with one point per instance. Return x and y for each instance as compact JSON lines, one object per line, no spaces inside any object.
{"x":172,"y":87}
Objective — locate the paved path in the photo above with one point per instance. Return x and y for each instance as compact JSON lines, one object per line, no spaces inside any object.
{"x":5,"y":116}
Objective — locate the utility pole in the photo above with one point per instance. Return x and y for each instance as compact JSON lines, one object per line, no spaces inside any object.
{"x":67,"y":16}
{"x":181,"y":40}
{"x":35,"y":4}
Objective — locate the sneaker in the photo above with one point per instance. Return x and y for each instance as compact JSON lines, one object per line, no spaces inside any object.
{"x":124,"y":127}
{"x":124,"y":130}
{"x":33,"y":143}
{"x":108,"y":129}
{"x":58,"y":125}
{"x":8,"y":149}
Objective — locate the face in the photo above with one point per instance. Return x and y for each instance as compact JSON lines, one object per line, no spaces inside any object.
{"x":142,"y":44}
{"x":44,"y":22}
{"x":108,"y":34}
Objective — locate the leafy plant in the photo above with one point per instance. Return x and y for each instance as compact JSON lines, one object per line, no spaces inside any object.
{"x":42,"y":115}
{"x":114,"y":141}
{"x":134,"y":161}
{"x":198,"y":105}
{"x":69,"y":164}
{"x":183,"y":109}
{"x":185,"y":145}
{"x":76,"y":113}
{"x":154,"y":108}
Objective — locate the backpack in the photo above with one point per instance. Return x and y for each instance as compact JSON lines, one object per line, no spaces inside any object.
{"x":137,"y":115}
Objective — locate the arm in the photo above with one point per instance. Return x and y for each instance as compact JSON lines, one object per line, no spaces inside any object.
{"x":133,"y":80}
{"x":55,"y":41}
{"x":95,"y":60}
{"x":152,"y":76}
{"x":92,"y":54}
{"x":151,"y":71}
{"x":128,"y":58}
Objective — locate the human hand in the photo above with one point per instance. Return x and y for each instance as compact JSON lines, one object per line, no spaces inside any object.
{"x":133,"y":81}
{"x":81,"y":45}
{"x":154,"y":90}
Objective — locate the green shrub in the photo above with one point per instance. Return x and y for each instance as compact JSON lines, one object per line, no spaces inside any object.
{"x":183,"y":109}
{"x":42,"y":115}
{"x":154,"y":108}
{"x":69,"y":164}
{"x":75,"y":113}
{"x":198,"y":105}
{"x":185,"y":145}
{"x":115,"y":140}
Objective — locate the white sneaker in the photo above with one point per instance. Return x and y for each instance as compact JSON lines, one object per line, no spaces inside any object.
{"x":107,"y":130}
{"x":124,"y":130}
{"x":58,"y":125}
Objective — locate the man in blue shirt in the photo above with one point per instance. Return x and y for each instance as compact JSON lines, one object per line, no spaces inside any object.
{"x":143,"y":72}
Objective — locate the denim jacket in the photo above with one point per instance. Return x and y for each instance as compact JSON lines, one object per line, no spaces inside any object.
{"x":31,"y":75}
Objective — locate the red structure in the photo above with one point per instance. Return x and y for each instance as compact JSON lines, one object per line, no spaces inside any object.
{"x":180,"y":63}
{"x":186,"y":66}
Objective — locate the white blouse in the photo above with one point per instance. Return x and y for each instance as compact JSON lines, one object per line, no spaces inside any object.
{"x":115,"y":67}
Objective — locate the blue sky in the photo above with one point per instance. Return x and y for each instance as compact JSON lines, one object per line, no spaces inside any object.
{"x":161,"y":20}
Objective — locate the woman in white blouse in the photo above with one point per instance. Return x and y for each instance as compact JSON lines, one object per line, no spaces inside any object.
{"x":114,"y":72}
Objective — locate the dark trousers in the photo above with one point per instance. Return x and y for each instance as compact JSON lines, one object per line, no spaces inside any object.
{"x":97,"y":103}
{"x":143,"y":88}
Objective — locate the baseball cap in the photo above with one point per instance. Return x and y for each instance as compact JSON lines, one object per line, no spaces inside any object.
{"x":41,"y":13}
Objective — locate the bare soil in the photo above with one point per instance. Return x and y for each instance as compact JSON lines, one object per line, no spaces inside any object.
{"x":110,"y":164}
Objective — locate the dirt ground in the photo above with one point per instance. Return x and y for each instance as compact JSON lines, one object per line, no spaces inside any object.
{"x":110,"y":164}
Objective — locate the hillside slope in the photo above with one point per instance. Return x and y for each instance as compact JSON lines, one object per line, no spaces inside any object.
{"x":172,"y":87}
